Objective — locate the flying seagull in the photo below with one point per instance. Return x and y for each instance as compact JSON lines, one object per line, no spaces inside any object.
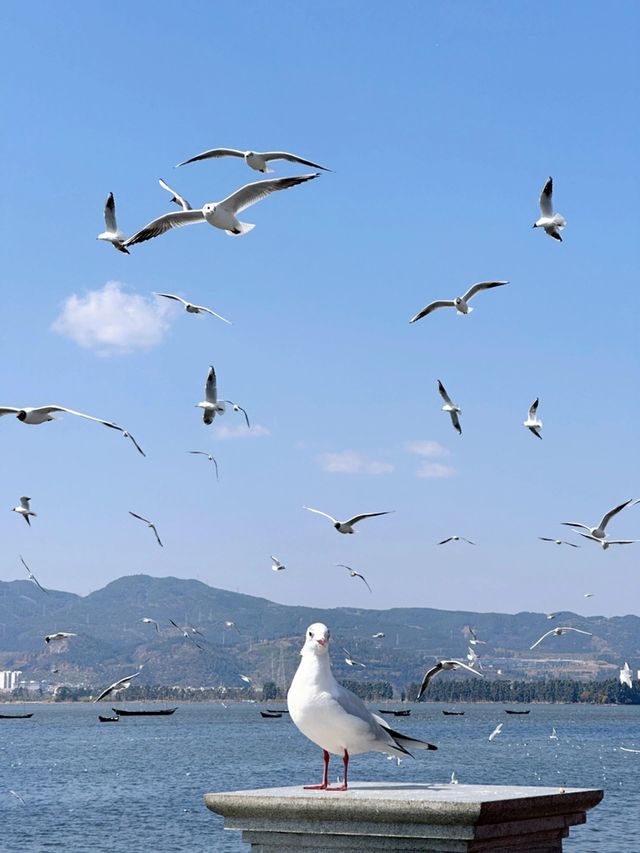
{"x":599,"y":532}
{"x":209,"y":457}
{"x":347,"y":526}
{"x":43,"y":414}
{"x":220,"y":214}
{"x":238,"y":408}
{"x":176,"y":197}
{"x":210,"y":405}
{"x":276,"y":565}
{"x":588,"y":594}
{"x":557,"y":632}
{"x":533,"y":422}
{"x":450,"y":408}
{"x":59,"y":635}
{"x":149,"y":524}
{"x":246,"y":679}
{"x":558,"y":541}
{"x":496,"y":731}
{"x":190,"y":308}
{"x":333,"y":717}
{"x":112,"y":234}
{"x":474,"y":638}
{"x":604,"y":543}
{"x":440,"y":667}
{"x":24,"y":509}
{"x":355,"y":574}
{"x":472,"y":656}
{"x":380,"y":635}
{"x":187,"y":633}
{"x":552,"y":223}
{"x":32,"y":577}
{"x":148,"y":621}
{"x":350,"y":661}
{"x":254,"y":159}
{"x":460,"y":303}
{"x":456,"y":539}
{"x":18,"y":797}
{"x":122,"y":684}
{"x":625,"y":675}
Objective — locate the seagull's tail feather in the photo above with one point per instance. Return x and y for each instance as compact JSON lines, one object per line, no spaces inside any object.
{"x":404,"y":741}
{"x":245,"y":227}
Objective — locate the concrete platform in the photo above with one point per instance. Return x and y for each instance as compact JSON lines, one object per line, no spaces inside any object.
{"x":377,"y":816}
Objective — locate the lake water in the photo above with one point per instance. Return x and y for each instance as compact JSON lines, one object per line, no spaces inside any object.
{"x":137,"y":785}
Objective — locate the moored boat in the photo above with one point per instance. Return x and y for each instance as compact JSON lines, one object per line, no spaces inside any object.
{"x":506,"y":710}
{"x":108,"y":719}
{"x":271,"y":715}
{"x":15,"y":716}
{"x":163,"y":712}
{"x":404,"y":713}
{"x":453,"y":713}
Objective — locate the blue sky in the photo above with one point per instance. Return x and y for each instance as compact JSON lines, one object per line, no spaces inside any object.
{"x":441,"y":123}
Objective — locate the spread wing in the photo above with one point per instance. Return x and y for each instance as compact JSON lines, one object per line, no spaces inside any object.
{"x":24,"y":503}
{"x":319,"y":512}
{"x":212,"y":154}
{"x":122,"y":684}
{"x":252,"y":193}
{"x":172,"y":296}
{"x":153,"y":527}
{"x":427,"y":678}
{"x":50,"y":409}
{"x":433,"y":306}
{"x":455,"y":420}
{"x":534,"y":408}
{"x":135,"y":515}
{"x":219,"y":316}
{"x":110,"y":214}
{"x":543,"y":637}
{"x":5,"y":410}
{"x":292,"y":158}
{"x":184,"y":204}
{"x":362,"y":516}
{"x":546,"y":203}
{"x":443,"y":393}
{"x":481,"y":285}
{"x":211,"y":387}
{"x":609,"y":515}
{"x":165,"y":223}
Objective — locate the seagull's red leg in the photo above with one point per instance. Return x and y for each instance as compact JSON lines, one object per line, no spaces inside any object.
{"x":325,"y":776}
{"x":343,"y":787}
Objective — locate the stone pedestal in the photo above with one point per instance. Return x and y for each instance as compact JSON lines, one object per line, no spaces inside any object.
{"x":376,"y":816}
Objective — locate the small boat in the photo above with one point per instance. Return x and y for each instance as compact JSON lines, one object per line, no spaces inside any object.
{"x":164,"y":712}
{"x":277,"y":711}
{"x":15,"y":716}
{"x":396,"y":713}
{"x":108,"y":719}
{"x":453,"y":713}
{"x":271,"y":715}
{"x":516,"y":712}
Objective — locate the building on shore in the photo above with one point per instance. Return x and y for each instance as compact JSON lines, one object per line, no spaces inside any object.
{"x":9,"y":679}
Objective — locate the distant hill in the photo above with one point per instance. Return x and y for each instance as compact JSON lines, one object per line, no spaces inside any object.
{"x":112,"y":638}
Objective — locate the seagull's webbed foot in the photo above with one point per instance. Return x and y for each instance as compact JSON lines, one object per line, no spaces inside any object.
{"x":325,"y":776}
{"x":314,"y":787}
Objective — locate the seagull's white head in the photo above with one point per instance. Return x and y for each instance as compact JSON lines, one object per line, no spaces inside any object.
{"x":209,"y":208}
{"x":316,"y":639}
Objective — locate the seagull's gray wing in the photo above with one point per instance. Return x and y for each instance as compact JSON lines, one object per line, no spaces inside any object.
{"x":433,"y":306}
{"x":468,"y":541}
{"x":211,"y":387}
{"x":24,"y":503}
{"x":546,"y":204}
{"x":458,"y":663}
{"x":177,"y":198}
{"x":117,"y":685}
{"x":543,"y":637}
{"x":455,"y":420}
{"x":546,"y":539}
{"x":246,"y":416}
{"x":364,"y":580}
{"x":128,"y":435}
{"x":444,"y":541}
{"x":362,"y":516}
{"x":135,"y":515}
{"x":570,"y":544}
{"x":219,"y":316}
{"x":6,"y":410}
{"x":481,"y":285}
{"x":32,"y":576}
{"x":575,"y":524}
{"x":579,"y":631}
{"x":534,"y":408}
{"x":586,"y":535}
{"x":319,"y":512}
{"x":443,"y":394}
{"x":153,"y":527}
{"x":165,"y":223}
{"x":535,"y":431}
{"x":606,"y":518}
{"x":110,"y":214}
{"x":172,"y":296}
{"x":292,"y":158}
{"x":622,"y":541}
{"x":213,"y":153}
{"x":427,"y":678}
{"x":50,"y":409}
{"x":254,"y":192}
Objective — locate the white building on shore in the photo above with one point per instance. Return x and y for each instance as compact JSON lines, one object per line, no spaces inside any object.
{"x":9,"y":679}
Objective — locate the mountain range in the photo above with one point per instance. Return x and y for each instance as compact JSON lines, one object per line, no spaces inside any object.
{"x":262,"y":639}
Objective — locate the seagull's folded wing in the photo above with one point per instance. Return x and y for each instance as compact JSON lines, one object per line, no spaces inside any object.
{"x":165,"y":223}
{"x":251,"y":193}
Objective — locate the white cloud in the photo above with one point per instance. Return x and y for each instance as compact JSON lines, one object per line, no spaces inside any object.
{"x":113,"y":322}
{"x":352,"y":462}
{"x":430,"y":449}
{"x":435,"y":471}
{"x":223,"y":431}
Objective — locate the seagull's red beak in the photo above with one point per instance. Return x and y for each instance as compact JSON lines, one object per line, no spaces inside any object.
{"x":322,"y":642}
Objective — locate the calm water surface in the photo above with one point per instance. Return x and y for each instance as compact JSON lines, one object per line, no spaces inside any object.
{"x":137,"y":785}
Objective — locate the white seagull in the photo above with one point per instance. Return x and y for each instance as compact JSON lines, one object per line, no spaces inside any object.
{"x":625,"y":675}
{"x":176,"y":197}
{"x":557,"y":632}
{"x":59,"y":635}
{"x":533,"y":422}
{"x":474,"y":638}
{"x":190,"y":308}
{"x":496,"y":731}
{"x":441,"y":666}
{"x":599,"y":532}
{"x":121,"y":684}
{"x":456,"y":539}
{"x":553,"y":735}
{"x":254,"y":159}
{"x":355,"y":574}
{"x":220,"y":214}
{"x":209,"y":457}
{"x":149,"y":524}
{"x":210,"y":405}
{"x":24,"y":509}
{"x":333,"y":717}
{"x":32,"y":577}
{"x":187,"y":633}
{"x":276,"y":565}
{"x":380,"y":635}
{"x":558,"y":541}
{"x":347,"y":526}
{"x":552,"y":223}
{"x":460,"y":303}
{"x":148,"y":621}
{"x":350,"y":660}
{"x":604,"y":543}
{"x":44,"y":414}
{"x":112,"y":234}
{"x":451,"y":408}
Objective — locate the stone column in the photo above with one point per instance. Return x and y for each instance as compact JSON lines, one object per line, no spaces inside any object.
{"x":376,"y":816}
